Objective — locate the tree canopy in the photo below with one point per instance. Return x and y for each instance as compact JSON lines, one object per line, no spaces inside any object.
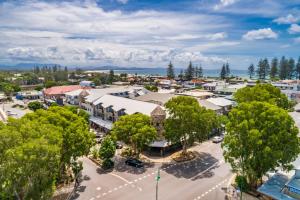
{"x":260,"y":137}
{"x":35,"y":105}
{"x":107,"y":149}
{"x":188,"y":122}
{"x":170,"y":71}
{"x":135,"y":130}
{"x":37,"y":149}
{"x":263,"y":93}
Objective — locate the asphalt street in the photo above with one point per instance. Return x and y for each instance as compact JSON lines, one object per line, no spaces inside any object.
{"x":203,"y":178}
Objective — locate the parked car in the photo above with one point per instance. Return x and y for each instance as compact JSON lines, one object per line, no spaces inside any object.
{"x":134,"y":163}
{"x":119,"y":145}
{"x":217,"y":139}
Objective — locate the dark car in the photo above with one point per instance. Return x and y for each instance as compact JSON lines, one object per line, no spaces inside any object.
{"x":119,"y":145}
{"x":134,"y":162}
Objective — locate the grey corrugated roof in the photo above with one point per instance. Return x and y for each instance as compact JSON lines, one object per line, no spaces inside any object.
{"x":208,"y":105}
{"x":154,"y":97}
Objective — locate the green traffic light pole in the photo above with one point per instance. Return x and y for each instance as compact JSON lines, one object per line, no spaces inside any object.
{"x":157,"y":179}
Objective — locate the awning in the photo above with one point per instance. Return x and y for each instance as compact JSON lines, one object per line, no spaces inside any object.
{"x":273,"y":187}
{"x":103,"y":123}
{"x":160,"y":144}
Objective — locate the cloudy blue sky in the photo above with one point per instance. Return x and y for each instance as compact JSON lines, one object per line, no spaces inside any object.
{"x":148,"y":33}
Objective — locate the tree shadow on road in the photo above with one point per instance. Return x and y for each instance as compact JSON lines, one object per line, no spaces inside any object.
{"x":79,"y":188}
{"x":120,"y":166}
{"x":200,"y":167}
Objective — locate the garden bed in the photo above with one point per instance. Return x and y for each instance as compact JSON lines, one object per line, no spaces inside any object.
{"x":180,"y":157}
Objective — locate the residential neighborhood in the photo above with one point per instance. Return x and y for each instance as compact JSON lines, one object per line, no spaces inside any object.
{"x":150,"y":100}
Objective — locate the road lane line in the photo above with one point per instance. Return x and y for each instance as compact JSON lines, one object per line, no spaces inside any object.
{"x":120,"y":177}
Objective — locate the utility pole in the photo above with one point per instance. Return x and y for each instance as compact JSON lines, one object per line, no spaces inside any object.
{"x":157,"y":179}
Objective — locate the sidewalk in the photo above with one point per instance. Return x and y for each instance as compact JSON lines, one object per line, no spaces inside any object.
{"x":168,"y":159}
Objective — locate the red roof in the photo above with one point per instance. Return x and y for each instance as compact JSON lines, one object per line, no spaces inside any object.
{"x":58,"y":90}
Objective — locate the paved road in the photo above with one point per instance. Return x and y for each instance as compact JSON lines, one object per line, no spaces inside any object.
{"x":202,"y":178}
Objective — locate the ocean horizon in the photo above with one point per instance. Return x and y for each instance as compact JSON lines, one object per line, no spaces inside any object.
{"x":163,"y":72}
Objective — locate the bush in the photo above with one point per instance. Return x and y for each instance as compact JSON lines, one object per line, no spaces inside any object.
{"x":107,"y":164}
{"x":127,"y":152}
{"x":35,"y":105}
{"x":95,"y":154}
{"x":152,"y":88}
{"x":241,"y":182}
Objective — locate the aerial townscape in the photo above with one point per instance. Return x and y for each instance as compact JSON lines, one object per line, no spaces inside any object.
{"x":149,"y":100}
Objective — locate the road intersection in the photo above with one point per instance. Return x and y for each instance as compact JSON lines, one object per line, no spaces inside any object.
{"x":202,"y":178}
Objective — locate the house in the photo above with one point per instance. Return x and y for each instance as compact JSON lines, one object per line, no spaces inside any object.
{"x":281,"y":187}
{"x":88,"y":97}
{"x":109,"y":108}
{"x":154,"y":97}
{"x":225,"y":104}
{"x":90,"y":84}
{"x":201,"y":94}
{"x":210,"y":86}
{"x":57,"y":93}
{"x":208,"y":105}
{"x":30,"y":95}
{"x":165,"y":83}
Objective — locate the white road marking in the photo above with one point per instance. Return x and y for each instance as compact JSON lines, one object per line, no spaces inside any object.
{"x":98,"y":188}
{"x":210,"y":190}
{"x":98,"y":196}
{"x":120,"y":177}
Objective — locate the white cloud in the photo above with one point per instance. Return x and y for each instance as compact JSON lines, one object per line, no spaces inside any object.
{"x":72,"y":33}
{"x":224,"y":3}
{"x":260,"y":34}
{"x":295,"y":28}
{"x":289,"y":19}
{"x":212,"y":36}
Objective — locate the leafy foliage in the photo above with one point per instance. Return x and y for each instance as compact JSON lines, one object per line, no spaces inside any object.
{"x":188,"y":121}
{"x":170,"y":71}
{"x":135,"y":130}
{"x":35,"y":105}
{"x":263,"y":93}
{"x":36,"y":149}
{"x":152,"y":88}
{"x":260,"y":137}
{"x":107,"y":149}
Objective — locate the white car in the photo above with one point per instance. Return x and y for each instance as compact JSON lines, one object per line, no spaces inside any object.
{"x":217,"y":139}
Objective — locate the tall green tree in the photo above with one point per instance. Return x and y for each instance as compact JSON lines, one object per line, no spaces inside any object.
{"x":111,"y":76}
{"x":135,"y":130}
{"x":107,"y":151}
{"x":29,"y":161}
{"x":189,"y":72}
{"x":251,"y":71}
{"x":291,"y":68}
{"x":187,"y":121}
{"x":283,"y":68}
{"x":260,"y":137}
{"x":170,"y":71}
{"x":227,"y":70}
{"x":77,"y":140}
{"x":274,"y":68}
{"x":298,"y":69}
{"x":200,"y":72}
{"x":223,"y":72}
{"x":263,"y":69}
{"x":180,"y":75}
{"x":263,"y":93}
